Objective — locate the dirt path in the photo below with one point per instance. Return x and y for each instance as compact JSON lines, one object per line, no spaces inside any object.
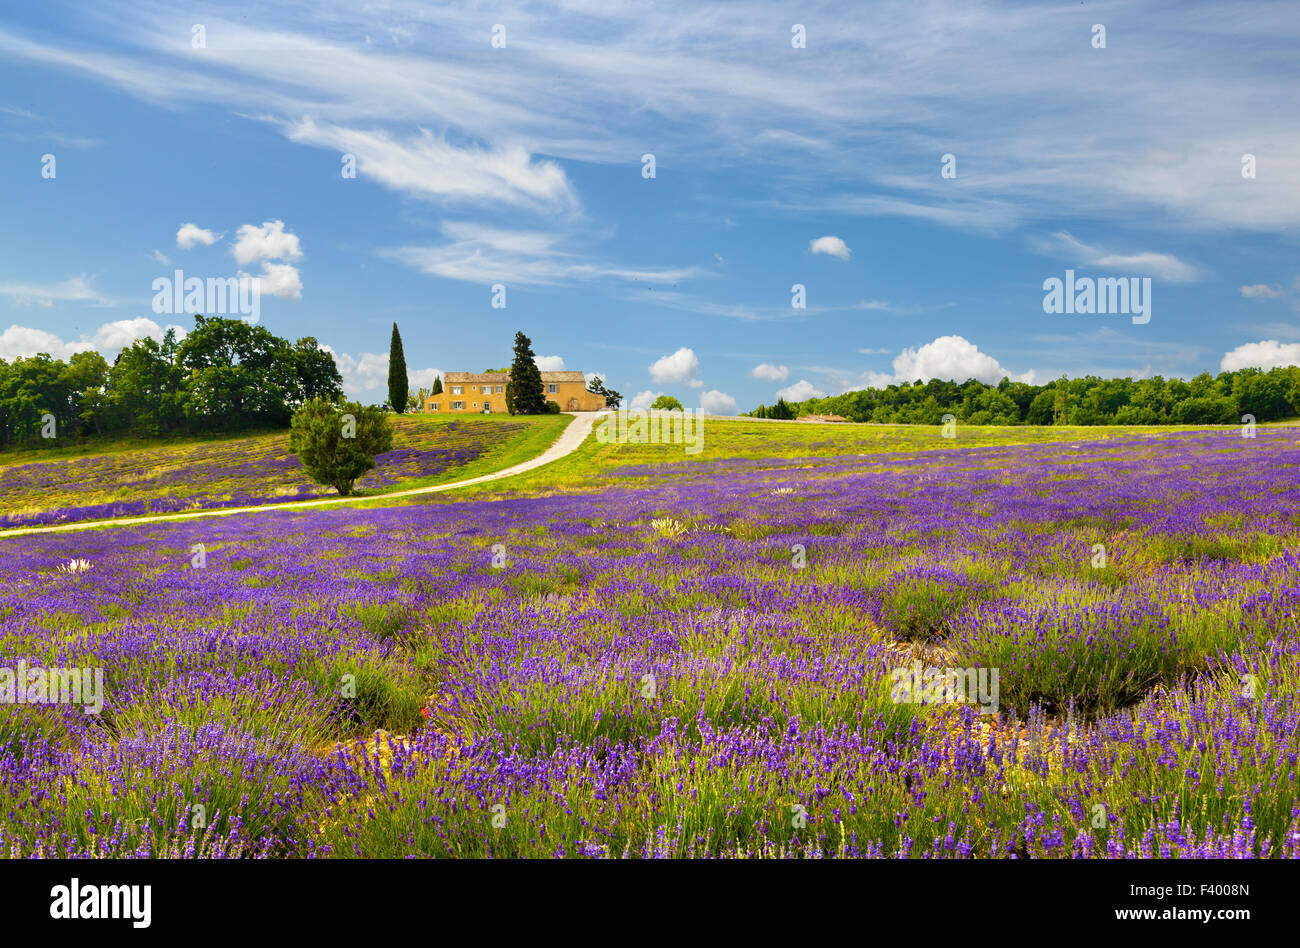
{"x":570,"y":438}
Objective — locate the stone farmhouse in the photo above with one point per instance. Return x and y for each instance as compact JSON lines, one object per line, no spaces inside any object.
{"x":485,"y":392}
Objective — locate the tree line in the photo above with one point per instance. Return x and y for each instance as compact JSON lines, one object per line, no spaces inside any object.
{"x":226,"y":375}
{"x":1205,"y":400}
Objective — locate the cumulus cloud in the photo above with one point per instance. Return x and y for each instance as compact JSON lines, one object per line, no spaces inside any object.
{"x":268,"y":242}
{"x":770,"y":373}
{"x":832,"y":246}
{"x":159,"y":257}
{"x":952,"y":357}
{"x":679,"y":367}
{"x":421,"y":378}
{"x":278,"y":279}
{"x":800,"y":391}
{"x":117,"y":335}
{"x":1261,"y":291}
{"x":717,"y":403}
{"x":191,"y":234}
{"x":550,"y":363}
{"x":109,"y":339}
{"x":361,"y":373}
{"x":23,"y":342}
{"x":642,"y":401}
{"x":367,"y":373}
{"x":1268,"y":354}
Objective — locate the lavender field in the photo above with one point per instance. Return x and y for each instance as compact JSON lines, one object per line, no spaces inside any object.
{"x":239,"y":472}
{"x":687,"y":660}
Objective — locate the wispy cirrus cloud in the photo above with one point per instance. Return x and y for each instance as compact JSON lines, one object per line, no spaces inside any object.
{"x":72,"y":290}
{"x":1162,"y":265}
{"x":479,"y":254}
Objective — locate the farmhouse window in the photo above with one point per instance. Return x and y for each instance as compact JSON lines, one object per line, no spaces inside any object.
{"x":455,"y":390}
{"x":457,"y":406}
{"x":552,"y":388}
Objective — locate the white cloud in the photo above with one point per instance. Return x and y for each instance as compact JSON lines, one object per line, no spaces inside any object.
{"x":365,"y":373}
{"x":278,"y":279}
{"x":642,"y":401}
{"x":117,"y":335}
{"x":108,"y":339}
{"x":951,"y":357}
{"x":717,"y":403}
{"x":420,"y":378}
{"x":191,"y":234}
{"x":800,"y":391}
{"x":268,"y":242}
{"x":427,"y":166}
{"x":73,"y":289}
{"x":769,"y":372}
{"x":1260,"y":291}
{"x":159,"y":257}
{"x":550,"y":363}
{"x":875,"y":102}
{"x":831,"y":246}
{"x":1269,"y":354}
{"x":1162,"y":265}
{"x":872,"y":352}
{"x":588,"y":376}
{"x":485,"y":255}
{"x":23,"y":342}
{"x":679,"y":367}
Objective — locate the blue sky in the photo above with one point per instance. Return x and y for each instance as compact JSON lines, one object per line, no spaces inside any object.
{"x":774,"y":166}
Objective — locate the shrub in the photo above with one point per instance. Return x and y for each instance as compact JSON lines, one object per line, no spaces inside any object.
{"x":666,"y":403}
{"x":338,"y":443}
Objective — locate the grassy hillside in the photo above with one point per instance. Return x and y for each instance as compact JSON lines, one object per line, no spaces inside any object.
{"x":744,"y":439}
{"x":134,"y":477}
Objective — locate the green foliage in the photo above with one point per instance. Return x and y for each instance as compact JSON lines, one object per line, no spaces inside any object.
{"x":1205,"y":400}
{"x":552,"y":408}
{"x":528,"y":396}
{"x":225,"y":375}
{"x":437,"y":386}
{"x":331,"y":452}
{"x":398,"y":384}
{"x":597,"y":387}
{"x":666,"y":403}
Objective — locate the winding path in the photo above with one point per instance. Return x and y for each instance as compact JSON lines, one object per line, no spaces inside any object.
{"x":569,"y":440}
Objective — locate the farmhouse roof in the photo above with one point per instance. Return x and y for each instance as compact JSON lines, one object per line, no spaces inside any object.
{"x":456,"y":378}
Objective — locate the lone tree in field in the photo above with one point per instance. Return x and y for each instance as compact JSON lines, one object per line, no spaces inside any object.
{"x":666,"y":403}
{"x":398,"y":385}
{"x":524,"y":394}
{"x":337,"y":443}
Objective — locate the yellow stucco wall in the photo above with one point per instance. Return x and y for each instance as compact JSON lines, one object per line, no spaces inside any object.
{"x":571,"y":396}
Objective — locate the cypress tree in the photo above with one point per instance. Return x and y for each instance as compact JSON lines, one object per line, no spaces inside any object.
{"x":526,"y":395}
{"x":398,"y":385}
{"x":437,"y":386}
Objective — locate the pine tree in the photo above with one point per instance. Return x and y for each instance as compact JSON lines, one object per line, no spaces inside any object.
{"x":437,"y":386}
{"x":526,"y":395}
{"x":398,"y":385}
